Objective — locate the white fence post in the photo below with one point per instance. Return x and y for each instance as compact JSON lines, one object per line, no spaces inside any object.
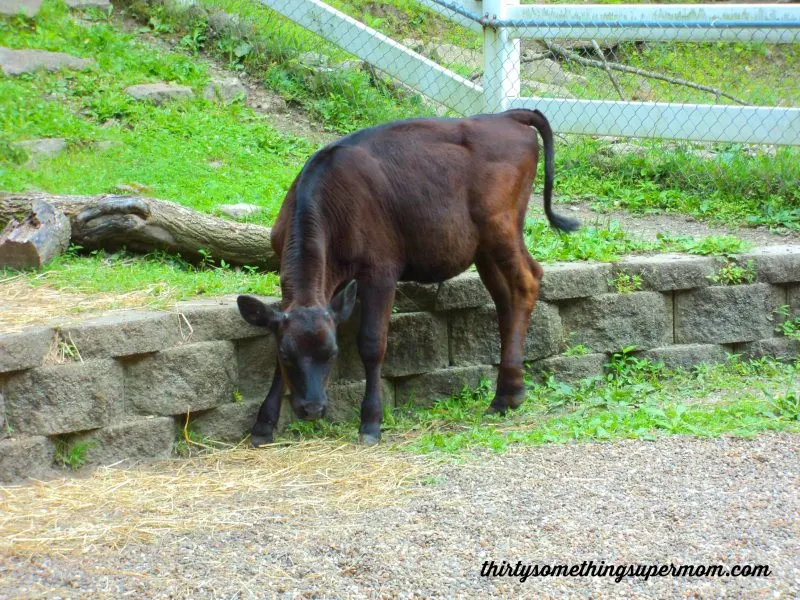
{"x":500,"y":59}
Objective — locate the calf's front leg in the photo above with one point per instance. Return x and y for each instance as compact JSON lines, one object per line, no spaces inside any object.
{"x":270,"y":411}
{"x":376,"y":309}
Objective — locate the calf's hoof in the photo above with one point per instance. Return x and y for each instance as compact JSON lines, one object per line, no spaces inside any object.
{"x":260,"y":434}
{"x":501,"y":404}
{"x":368,"y":439}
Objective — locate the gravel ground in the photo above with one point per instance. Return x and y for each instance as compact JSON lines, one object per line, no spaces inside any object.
{"x":679,"y":500}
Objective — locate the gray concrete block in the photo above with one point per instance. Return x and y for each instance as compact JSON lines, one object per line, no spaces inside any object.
{"x":65,"y":398}
{"x":667,"y":272}
{"x":609,"y":322}
{"x":564,"y":281}
{"x":781,"y":348}
{"x":686,"y":356}
{"x":218,"y":319}
{"x":29,"y":8}
{"x":124,"y":334}
{"x":475,"y":335}
{"x":726,"y":314}
{"x":25,"y":457}
{"x":193,"y":377}
{"x":463,"y":291}
{"x":415,"y":297}
{"x":147,"y":437}
{"x":228,"y":423}
{"x":256,"y":359}
{"x":159,"y":93}
{"x":25,"y":349}
{"x":344,"y":399}
{"x":417,"y":344}
{"x":793,"y":298}
{"x":774,"y":264}
{"x":571,"y":369}
{"x":426,"y":389}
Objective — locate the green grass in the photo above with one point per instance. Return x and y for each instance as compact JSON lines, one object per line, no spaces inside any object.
{"x":158,"y":278}
{"x":197,"y":153}
{"x":636,"y":399}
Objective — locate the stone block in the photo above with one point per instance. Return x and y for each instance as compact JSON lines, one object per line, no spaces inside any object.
{"x":726,"y":314}
{"x":218,"y":319}
{"x":571,"y":369}
{"x":124,"y":334}
{"x":147,"y":437}
{"x":426,"y":389}
{"x":256,"y":359}
{"x":159,"y":93}
{"x":65,"y":398}
{"x":793,"y":298}
{"x":25,"y":457}
{"x":686,"y":356}
{"x":415,"y":297}
{"x":417,"y":344}
{"x":194,"y":377}
{"x":25,"y":349}
{"x":774,"y":264}
{"x":475,"y":335}
{"x":228,"y":423}
{"x":12,"y":8}
{"x":88,"y":4}
{"x":564,"y":281}
{"x":18,"y":62}
{"x":225,"y":89}
{"x":344,"y":399}
{"x":609,"y":322}
{"x":667,"y":272}
{"x":781,"y":348}
{"x":464,"y":291}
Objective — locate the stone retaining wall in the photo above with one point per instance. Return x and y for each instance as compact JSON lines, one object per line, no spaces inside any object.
{"x":121,"y":385}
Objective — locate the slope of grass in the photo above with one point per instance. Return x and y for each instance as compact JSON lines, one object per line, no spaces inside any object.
{"x":194,"y":152}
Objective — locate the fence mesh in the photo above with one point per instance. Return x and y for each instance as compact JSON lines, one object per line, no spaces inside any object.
{"x":399,"y":58}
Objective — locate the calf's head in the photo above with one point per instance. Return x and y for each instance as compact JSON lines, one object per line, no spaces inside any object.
{"x":306,"y":341}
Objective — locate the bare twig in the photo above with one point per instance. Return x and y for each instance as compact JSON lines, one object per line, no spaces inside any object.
{"x":613,"y":79}
{"x":563,"y":52}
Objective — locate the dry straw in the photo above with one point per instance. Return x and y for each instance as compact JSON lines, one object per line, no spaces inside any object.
{"x":23,"y":304}
{"x":114,"y":506}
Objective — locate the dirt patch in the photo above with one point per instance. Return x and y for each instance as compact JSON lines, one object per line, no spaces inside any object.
{"x":647,"y":227}
{"x":677,"y":500}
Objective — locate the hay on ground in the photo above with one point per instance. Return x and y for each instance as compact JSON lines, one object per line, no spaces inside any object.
{"x":231,"y":489}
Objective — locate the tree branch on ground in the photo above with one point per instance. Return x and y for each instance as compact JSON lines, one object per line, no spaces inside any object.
{"x":587,"y":62}
{"x":611,"y":76}
{"x":144,"y":224}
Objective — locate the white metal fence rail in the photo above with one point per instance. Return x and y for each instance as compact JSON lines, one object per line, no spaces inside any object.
{"x":504,"y":23}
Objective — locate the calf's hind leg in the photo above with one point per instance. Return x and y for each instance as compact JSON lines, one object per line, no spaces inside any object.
{"x":512,"y":278}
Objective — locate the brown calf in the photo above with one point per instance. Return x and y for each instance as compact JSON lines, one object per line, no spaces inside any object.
{"x":415,"y":200}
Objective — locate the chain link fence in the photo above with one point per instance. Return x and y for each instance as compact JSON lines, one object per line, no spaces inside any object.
{"x":691,"y":101}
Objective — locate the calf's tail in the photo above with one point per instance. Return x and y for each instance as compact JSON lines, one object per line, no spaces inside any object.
{"x":533,"y":118}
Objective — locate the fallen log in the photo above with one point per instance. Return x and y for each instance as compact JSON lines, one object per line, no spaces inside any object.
{"x":36,"y":239}
{"x":144,"y":224}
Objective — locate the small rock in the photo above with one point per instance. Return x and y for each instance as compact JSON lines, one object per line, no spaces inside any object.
{"x":42,"y":148}
{"x":132,"y":188}
{"x":17,"y":62}
{"x":226,"y":90}
{"x":239,"y":211}
{"x":549,"y":71}
{"x":537,"y":88}
{"x":350,"y":65}
{"x":29,"y":8}
{"x":313,"y":59}
{"x":159,"y":93}
{"x":104,"y":145}
{"x":271,"y":104}
{"x":87,"y":4}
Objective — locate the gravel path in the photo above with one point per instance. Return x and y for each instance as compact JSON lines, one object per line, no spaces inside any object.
{"x":679,"y":500}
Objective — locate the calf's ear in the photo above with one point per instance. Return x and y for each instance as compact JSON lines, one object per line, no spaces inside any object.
{"x":343,"y":302}
{"x":255,"y":312}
